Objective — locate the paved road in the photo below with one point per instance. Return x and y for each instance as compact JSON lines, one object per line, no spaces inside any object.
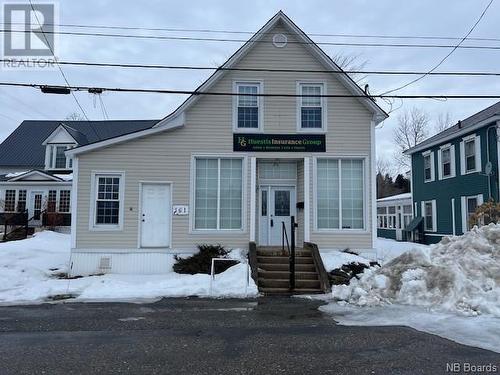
{"x":199,"y":336}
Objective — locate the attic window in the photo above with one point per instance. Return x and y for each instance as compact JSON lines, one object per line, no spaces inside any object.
{"x":280,"y":40}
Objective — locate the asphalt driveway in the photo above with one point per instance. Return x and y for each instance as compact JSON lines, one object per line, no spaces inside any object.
{"x":200,"y":336}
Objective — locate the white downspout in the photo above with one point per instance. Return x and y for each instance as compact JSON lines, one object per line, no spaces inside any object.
{"x":307,"y":206}
{"x":253,"y":184}
{"x":373,"y":177}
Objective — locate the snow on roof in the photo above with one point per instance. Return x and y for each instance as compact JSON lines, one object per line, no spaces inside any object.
{"x":395,"y":197}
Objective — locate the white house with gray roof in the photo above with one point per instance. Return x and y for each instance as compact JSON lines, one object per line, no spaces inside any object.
{"x":234,"y":169}
{"x":35,"y":173}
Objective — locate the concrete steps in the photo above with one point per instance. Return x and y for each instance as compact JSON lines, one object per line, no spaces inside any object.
{"x":274,"y":272}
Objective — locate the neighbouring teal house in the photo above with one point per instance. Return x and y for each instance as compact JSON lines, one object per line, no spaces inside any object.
{"x":453,"y":172}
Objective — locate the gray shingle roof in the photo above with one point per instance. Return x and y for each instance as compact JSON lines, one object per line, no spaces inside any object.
{"x":460,"y":126}
{"x":23,"y":147}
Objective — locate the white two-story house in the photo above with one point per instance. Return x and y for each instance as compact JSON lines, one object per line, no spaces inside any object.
{"x":36,"y":174}
{"x":231,"y":169}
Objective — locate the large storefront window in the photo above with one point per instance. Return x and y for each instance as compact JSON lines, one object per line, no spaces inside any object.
{"x":218,"y":193}
{"x":340,"y":203}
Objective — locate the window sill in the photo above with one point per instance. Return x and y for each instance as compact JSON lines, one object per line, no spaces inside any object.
{"x":106,"y":228}
{"x":447,"y":177}
{"x":217,"y":231}
{"x":312,"y":130}
{"x":247,"y":130}
{"x":470,"y":172}
{"x":342,"y":231}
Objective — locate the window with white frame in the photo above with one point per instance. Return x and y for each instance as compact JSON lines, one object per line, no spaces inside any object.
{"x":407,"y":215}
{"x":10,"y":201}
{"x":52,"y":201}
{"x":57,"y":158}
{"x":381,"y":216}
{"x":21,"y":200}
{"x":64,"y":200}
{"x":469,"y":207}
{"x":218,"y":194}
{"x":247,"y":111}
{"x":446,"y":161}
{"x":392,"y":217}
{"x":340,"y":194}
{"x":429,"y":214}
{"x":470,"y":156}
{"x":428,"y":166}
{"x":311,"y":106}
{"x":107,"y":199}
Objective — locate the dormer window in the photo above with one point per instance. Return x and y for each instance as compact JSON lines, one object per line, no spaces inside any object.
{"x":57,"y":158}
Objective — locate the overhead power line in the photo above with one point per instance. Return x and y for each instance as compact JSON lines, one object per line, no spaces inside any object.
{"x":242,"y":32}
{"x":446,"y":57}
{"x":215,"y":93}
{"x":55,"y":59}
{"x":188,"y":38}
{"x":271,"y":70}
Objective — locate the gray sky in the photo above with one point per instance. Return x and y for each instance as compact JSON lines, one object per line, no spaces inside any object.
{"x":443,"y":18}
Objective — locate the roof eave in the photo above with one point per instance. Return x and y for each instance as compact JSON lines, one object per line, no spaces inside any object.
{"x":424,"y":146}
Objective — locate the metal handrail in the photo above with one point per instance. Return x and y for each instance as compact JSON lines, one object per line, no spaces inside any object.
{"x":284,"y":236}
{"x":291,"y":248}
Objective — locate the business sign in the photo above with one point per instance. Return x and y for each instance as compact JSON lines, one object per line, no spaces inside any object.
{"x":279,"y":142}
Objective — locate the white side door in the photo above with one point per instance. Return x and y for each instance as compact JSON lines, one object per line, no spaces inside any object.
{"x":35,"y":207}
{"x":155,"y":216}
{"x":282,"y":207}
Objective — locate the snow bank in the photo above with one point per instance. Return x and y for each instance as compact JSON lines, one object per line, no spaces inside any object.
{"x":388,"y":249}
{"x":336,"y":259}
{"x":460,"y":274}
{"x":29,"y":268}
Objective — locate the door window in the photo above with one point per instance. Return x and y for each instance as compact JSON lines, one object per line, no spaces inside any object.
{"x":282,"y":203}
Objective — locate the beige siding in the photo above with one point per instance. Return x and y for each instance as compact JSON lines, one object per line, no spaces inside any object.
{"x":208,"y":129}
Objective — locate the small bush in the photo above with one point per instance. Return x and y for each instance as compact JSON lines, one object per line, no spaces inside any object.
{"x":202,"y":260}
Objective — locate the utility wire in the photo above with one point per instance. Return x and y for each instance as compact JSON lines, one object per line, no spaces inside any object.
{"x":58,"y":66}
{"x":219,"y":31}
{"x":444,"y":58}
{"x":187,"y":38}
{"x":214,"y":93}
{"x":271,"y":70}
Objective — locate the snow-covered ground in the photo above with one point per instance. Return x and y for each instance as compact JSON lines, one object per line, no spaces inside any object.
{"x":28,"y":270}
{"x":451,"y":289}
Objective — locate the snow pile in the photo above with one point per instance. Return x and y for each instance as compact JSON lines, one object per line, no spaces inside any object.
{"x":460,"y":274}
{"x":388,"y":249}
{"x":29,"y":269}
{"x":336,"y":259}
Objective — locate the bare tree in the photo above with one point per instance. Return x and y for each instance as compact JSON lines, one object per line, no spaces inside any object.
{"x":443,"y":121}
{"x":353,"y":62}
{"x":74,"y":116}
{"x":384,"y":167}
{"x":413,"y":126}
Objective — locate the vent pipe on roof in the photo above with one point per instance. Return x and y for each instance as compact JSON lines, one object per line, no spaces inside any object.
{"x":459,"y":124}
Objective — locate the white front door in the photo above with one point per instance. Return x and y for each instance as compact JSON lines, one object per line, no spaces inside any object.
{"x":281,"y":208}
{"x":155,"y":216}
{"x":35,"y":206}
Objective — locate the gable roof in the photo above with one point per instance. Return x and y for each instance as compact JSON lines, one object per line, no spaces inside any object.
{"x":308,"y":44}
{"x":35,"y":175}
{"x":24,"y":148}
{"x":461,"y":127}
{"x":176,"y":118}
